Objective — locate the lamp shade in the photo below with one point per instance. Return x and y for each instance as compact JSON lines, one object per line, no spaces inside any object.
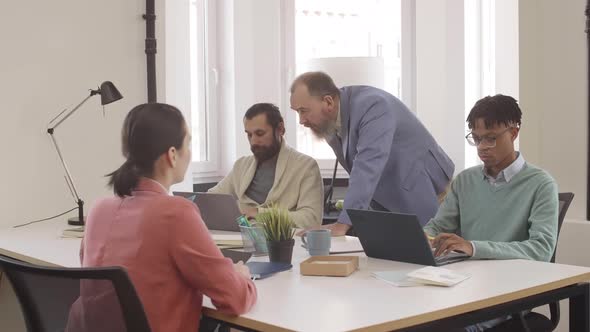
{"x":108,"y":93}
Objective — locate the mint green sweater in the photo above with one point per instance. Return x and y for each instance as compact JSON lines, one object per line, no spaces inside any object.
{"x":517,"y":219}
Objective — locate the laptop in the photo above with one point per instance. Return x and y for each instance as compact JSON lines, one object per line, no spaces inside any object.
{"x":219,"y":211}
{"x":396,"y":237}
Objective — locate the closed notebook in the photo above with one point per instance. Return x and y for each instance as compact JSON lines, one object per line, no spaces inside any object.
{"x":76,"y":232}
{"x":228,"y":240}
{"x":261,"y":270}
{"x":431,"y":275}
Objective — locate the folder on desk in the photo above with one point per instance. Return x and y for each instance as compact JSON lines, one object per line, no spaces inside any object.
{"x":261,"y":270}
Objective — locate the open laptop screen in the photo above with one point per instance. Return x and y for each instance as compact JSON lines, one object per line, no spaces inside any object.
{"x":219,"y":211}
{"x":395,"y":236}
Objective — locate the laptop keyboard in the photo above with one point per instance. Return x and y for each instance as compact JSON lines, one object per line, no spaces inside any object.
{"x":451,"y":257}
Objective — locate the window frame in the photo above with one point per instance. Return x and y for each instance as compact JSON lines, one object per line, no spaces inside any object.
{"x":207,"y":46}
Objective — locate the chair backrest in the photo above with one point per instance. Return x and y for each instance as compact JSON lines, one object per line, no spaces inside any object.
{"x":565,"y":199}
{"x":75,"y":299}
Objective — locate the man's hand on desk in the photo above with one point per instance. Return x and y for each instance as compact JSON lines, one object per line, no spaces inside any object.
{"x":336,"y":229}
{"x":250,"y":212}
{"x":447,"y":242}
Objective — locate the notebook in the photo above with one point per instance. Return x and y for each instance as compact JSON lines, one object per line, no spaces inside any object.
{"x":76,"y":232}
{"x":428,"y":275}
{"x":261,"y":270}
{"x":437,"y":276}
{"x":219,"y":211}
{"x":397,"y":237}
{"x":227,"y":239}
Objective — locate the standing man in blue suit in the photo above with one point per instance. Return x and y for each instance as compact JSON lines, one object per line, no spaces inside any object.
{"x":393,"y":161}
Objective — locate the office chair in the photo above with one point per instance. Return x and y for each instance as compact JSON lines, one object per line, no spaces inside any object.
{"x":533,"y":321}
{"x":75,"y":299}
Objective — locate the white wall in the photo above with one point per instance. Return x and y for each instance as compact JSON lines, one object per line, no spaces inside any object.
{"x":52,"y":53}
{"x":553,"y":91}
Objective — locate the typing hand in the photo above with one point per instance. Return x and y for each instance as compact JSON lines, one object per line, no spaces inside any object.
{"x":242,"y":269}
{"x":447,"y":242}
{"x":430,"y":240}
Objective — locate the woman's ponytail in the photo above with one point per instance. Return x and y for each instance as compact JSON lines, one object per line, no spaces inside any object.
{"x":124,"y":179}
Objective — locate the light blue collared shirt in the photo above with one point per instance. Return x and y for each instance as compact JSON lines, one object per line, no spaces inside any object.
{"x":507,"y":173}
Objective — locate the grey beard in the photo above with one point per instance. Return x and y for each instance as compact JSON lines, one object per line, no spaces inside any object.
{"x":327,"y":132}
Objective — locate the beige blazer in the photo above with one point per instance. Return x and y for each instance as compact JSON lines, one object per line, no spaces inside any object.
{"x":297,"y":185}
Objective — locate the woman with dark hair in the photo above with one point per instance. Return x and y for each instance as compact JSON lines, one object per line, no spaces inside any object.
{"x":159,"y":239}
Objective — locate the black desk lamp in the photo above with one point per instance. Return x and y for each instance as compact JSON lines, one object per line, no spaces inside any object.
{"x":108,"y":94}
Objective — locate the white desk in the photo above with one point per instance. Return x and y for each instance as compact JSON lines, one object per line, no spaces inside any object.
{"x":41,"y":244}
{"x":289,"y":301}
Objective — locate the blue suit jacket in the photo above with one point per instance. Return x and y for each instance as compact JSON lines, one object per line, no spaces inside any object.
{"x":390,"y":156}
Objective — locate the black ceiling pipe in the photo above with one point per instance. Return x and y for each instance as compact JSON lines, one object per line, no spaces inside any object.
{"x":150,"y":49}
{"x":587,"y":12}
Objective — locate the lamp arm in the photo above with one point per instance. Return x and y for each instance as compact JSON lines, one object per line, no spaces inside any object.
{"x":92,"y":93}
{"x":65,"y":166}
{"x":51,"y":130}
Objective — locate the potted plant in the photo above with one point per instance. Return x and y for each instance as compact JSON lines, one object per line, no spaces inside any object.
{"x":279,"y":230}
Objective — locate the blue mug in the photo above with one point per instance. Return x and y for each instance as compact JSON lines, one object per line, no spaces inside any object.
{"x":317,"y":241}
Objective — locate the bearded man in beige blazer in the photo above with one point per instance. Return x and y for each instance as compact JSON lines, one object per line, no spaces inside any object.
{"x":275,"y":173}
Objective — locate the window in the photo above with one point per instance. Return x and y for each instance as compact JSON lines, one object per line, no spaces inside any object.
{"x":202,"y":59}
{"x":189,"y":77}
{"x":479,"y":61}
{"x":336,"y":33}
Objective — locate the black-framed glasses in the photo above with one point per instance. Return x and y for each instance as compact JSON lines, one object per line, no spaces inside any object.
{"x":487,"y":141}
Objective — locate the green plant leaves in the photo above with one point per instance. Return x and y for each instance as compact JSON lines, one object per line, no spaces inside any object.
{"x":277,"y":223}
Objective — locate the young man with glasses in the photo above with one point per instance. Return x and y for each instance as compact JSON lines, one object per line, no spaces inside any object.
{"x":505,"y":209}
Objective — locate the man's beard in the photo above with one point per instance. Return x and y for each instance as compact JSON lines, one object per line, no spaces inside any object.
{"x":264,"y":153}
{"x":325,"y":130}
